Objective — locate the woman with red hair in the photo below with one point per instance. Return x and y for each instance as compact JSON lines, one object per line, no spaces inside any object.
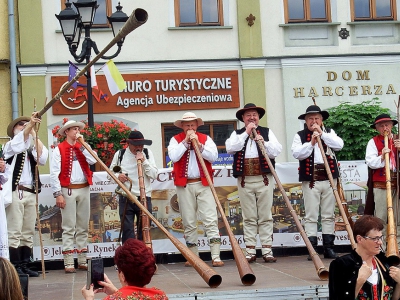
{"x":136,"y":266}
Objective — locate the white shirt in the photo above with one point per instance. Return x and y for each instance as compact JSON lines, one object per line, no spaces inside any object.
{"x":372,"y":158}
{"x":16,"y":146}
{"x":176,"y":151}
{"x":236,"y":142}
{"x":129,"y":166}
{"x":302,"y":151}
{"x":77,"y":175}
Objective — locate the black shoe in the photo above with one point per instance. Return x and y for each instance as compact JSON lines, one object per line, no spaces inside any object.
{"x":27,"y":271}
{"x":19,"y":270}
{"x":328,"y":241}
{"x":314,"y":242}
{"x":329,"y":253}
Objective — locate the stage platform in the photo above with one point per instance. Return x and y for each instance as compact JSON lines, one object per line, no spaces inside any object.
{"x":291,"y":277}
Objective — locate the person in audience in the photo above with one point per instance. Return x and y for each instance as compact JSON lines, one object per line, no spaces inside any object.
{"x":364,"y":273}
{"x":10,"y":286}
{"x":136,"y":265}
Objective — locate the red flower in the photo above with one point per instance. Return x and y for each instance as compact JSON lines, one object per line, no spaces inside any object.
{"x":386,"y":288}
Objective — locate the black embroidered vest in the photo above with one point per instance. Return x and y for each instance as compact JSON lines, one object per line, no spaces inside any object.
{"x":306,"y":169}
{"x":19,"y":165}
{"x":238,"y":158}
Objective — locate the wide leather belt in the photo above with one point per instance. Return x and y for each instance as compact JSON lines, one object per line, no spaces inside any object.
{"x":320,"y":173}
{"x":26,"y":189}
{"x":382,"y":185}
{"x":193,"y":180}
{"x":251,"y":167}
{"x":76,"y":185}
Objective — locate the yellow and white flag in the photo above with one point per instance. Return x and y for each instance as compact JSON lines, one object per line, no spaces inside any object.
{"x":93,"y":77}
{"x":115,"y":81}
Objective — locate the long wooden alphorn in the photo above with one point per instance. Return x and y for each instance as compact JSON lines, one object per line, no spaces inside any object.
{"x":246,"y":273}
{"x":322,"y":272}
{"x":207,"y":273}
{"x":143,"y":217}
{"x":336,"y":194}
{"x":344,"y":202}
{"x":136,"y":19}
{"x":392,"y":249}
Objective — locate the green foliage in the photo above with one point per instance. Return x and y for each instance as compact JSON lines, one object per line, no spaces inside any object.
{"x":352,"y":123}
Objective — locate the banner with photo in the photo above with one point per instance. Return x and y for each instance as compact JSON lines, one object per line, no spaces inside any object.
{"x":105,"y":224}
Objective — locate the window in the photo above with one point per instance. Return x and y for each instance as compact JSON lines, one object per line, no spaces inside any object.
{"x":104,"y":10}
{"x":364,"y":10}
{"x":300,"y":11}
{"x":218,"y":131}
{"x":198,"y":13}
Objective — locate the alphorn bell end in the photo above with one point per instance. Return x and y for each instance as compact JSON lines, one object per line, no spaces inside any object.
{"x":323,"y":274}
{"x":214,"y":281}
{"x":138,"y":17}
{"x":248,"y":279}
{"x":393,"y":260}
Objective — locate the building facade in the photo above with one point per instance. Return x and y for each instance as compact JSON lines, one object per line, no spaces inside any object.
{"x":212,"y":57}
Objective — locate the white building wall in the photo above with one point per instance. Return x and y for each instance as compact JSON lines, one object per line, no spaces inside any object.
{"x":298,"y":55}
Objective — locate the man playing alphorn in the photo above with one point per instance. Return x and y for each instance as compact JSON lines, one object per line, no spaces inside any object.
{"x":127,"y":160}
{"x":70,"y":178}
{"x":317,"y":191}
{"x":255,"y":181}
{"x":192,"y":188}
{"x":21,"y":154}
{"x":375,"y":159}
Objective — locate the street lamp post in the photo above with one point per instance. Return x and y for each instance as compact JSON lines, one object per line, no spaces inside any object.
{"x":72,"y":23}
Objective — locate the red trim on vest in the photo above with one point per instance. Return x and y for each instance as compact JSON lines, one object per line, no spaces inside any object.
{"x":379,"y":174}
{"x":180,"y":167}
{"x":66,"y":163}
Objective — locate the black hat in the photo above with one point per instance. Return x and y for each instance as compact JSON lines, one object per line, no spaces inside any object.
{"x":383,"y":118}
{"x":137,"y":138}
{"x":240,"y":112}
{"x":314,"y":109}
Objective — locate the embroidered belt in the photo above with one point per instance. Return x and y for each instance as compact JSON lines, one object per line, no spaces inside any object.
{"x":320,"y":173}
{"x":382,"y":185}
{"x":193,"y":180}
{"x":77,"y":185}
{"x":252,"y":167}
{"x":26,"y":189}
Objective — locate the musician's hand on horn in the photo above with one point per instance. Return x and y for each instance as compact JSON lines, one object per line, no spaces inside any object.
{"x":188,"y":134}
{"x":384,"y":151}
{"x":259,"y":138}
{"x":194,"y":136}
{"x":122,"y":177}
{"x":139,"y":155}
{"x":314,"y":136}
{"x":249,"y":128}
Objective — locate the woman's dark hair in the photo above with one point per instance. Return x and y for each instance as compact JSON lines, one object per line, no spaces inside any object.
{"x":136,"y":261}
{"x":366,"y":223}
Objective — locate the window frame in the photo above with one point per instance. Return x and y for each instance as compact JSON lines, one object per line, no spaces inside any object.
{"x":373,"y":17}
{"x":307,"y":12}
{"x":211,"y":134}
{"x":199,"y":15}
{"x":108,"y":13}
